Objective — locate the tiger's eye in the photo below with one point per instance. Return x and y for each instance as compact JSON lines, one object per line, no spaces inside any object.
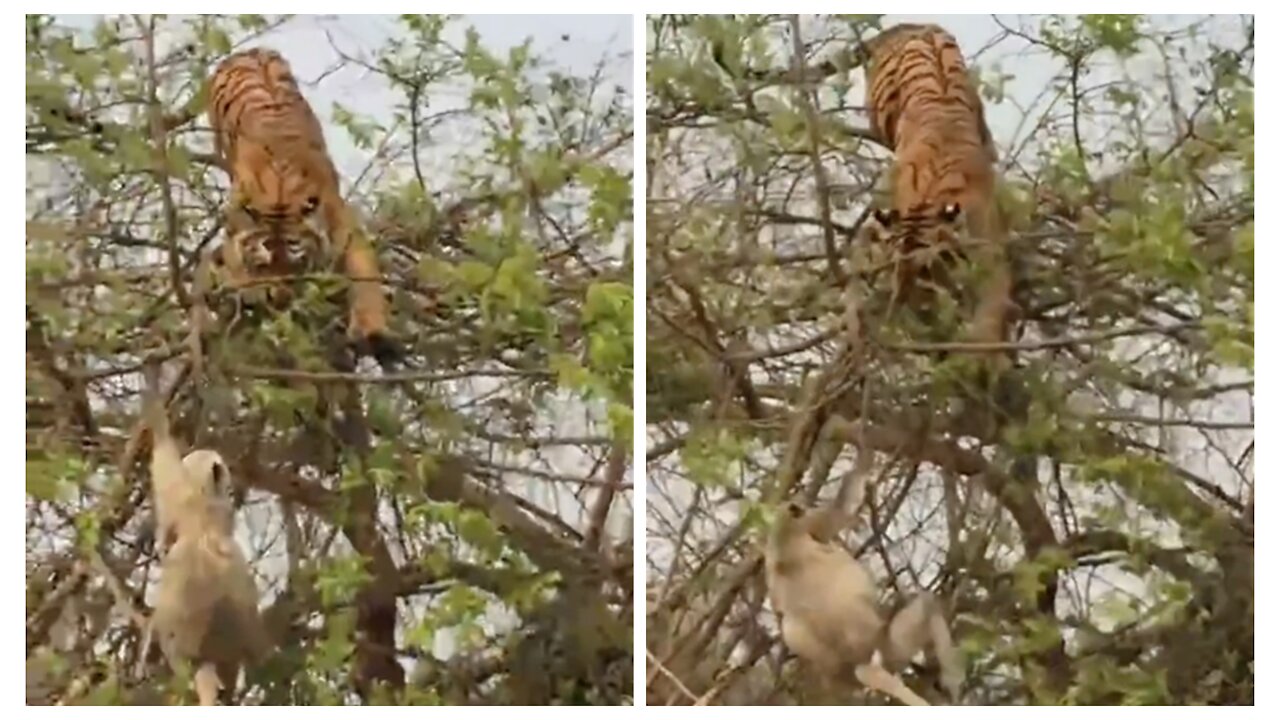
{"x":311,"y":204}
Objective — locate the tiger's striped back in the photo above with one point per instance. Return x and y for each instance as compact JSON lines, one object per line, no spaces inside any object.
{"x":284,"y":186}
{"x":923,"y":103}
{"x":253,"y":95}
{"x":910,"y":70}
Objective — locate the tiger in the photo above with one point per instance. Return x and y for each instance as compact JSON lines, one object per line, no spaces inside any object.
{"x":922,"y":103}
{"x":285,"y":214}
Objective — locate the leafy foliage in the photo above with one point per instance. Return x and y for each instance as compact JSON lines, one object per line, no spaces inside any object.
{"x":1095,"y":546}
{"x":408,"y":529}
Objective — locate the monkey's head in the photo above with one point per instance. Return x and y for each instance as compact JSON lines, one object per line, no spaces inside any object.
{"x":785,"y":521}
{"x":209,"y":471}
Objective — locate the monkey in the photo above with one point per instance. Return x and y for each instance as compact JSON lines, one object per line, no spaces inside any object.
{"x":829,"y":614}
{"x":206,"y":611}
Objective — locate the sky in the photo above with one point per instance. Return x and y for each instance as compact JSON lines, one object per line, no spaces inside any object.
{"x":573,"y":42}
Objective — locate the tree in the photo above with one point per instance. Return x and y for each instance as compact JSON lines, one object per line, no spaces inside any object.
{"x":454,"y":531}
{"x":1096,"y":547}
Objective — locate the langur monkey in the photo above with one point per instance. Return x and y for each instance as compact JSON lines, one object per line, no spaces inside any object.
{"x":206,"y":613}
{"x":827,"y":603}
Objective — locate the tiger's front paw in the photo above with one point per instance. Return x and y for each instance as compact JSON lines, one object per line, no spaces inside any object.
{"x":384,"y":348}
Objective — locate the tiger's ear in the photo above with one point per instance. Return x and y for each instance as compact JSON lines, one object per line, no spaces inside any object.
{"x":949,"y":212}
{"x":886,"y":218}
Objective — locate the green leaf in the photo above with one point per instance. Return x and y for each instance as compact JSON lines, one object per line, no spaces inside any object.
{"x":217,"y":40}
{"x":477,"y":530}
{"x":621,"y":423}
{"x":339,"y":579}
{"x":54,"y":478}
{"x":1118,"y":33}
{"x":610,"y":197}
{"x":422,"y":636}
{"x":710,"y":454}
{"x":475,"y":275}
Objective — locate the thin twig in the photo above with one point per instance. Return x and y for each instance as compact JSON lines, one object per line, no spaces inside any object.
{"x":160,"y":151}
{"x":1045,"y":344}
{"x":657,"y":664}
{"x":387,"y":379}
{"x":1170,"y":422}
{"x":804,"y":95}
{"x":614,"y":470}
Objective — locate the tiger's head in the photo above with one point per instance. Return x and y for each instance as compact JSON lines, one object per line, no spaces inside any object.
{"x":920,"y":235}
{"x":922,"y":244}
{"x":276,"y":210}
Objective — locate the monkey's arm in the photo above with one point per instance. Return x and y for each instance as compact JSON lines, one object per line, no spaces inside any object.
{"x":153,"y":412}
{"x":164,"y":451}
{"x":167,"y":472}
{"x":825,"y":524}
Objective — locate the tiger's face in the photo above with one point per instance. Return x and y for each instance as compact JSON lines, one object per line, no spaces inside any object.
{"x":919,"y":236}
{"x":276,"y":213}
{"x":923,"y":243}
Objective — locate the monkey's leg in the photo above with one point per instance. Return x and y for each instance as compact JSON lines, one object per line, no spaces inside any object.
{"x":148,"y":633}
{"x":917,"y":625}
{"x":948,"y":659}
{"x":877,"y":678}
{"x":208,"y":684}
{"x":228,"y":674}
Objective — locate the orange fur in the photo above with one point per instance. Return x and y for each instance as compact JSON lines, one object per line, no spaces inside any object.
{"x":924,"y":105}
{"x":286,"y":211}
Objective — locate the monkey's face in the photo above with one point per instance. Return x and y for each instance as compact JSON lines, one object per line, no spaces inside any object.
{"x":209,"y":472}
{"x":786,"y":520}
